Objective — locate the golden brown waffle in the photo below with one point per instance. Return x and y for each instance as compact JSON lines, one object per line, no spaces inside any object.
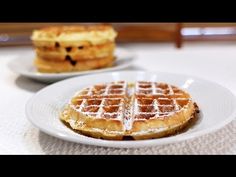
{"x":73,"y":36}
{"x":141,"y":110}
{"x":89,"y":52}
{"x":48,"y":66}
{"x":74,"y":48}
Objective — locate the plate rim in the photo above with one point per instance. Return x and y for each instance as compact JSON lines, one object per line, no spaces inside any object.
{"x":137,"y":143}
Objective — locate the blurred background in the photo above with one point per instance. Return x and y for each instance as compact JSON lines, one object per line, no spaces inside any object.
{"x":15,"y":34}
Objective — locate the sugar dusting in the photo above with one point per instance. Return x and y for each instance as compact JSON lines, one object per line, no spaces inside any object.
{"x":129,"y":108}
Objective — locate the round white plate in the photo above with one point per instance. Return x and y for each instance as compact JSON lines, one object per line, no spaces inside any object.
{"x":217,"y":105}
{"x":24,"y":65}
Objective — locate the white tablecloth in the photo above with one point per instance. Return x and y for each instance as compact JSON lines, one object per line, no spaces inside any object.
{"x":216,"y":62}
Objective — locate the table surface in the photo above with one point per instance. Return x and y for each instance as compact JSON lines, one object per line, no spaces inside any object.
{"x":212,"y":61}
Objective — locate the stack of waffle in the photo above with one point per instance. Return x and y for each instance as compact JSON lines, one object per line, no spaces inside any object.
{"x":74,"y":48}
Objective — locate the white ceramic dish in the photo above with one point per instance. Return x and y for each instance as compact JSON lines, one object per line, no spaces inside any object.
{"x":24,"y":65}
{"x":217,"y":105}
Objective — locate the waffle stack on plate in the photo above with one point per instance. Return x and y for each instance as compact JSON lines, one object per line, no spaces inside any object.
{"x":74,"y":48}
{"x":140,"y":110}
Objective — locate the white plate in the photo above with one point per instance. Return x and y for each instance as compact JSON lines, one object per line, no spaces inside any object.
{"x":24,"y":65}
{"x":217,"y":105}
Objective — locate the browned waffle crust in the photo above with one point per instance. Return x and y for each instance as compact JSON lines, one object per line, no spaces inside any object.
{"x":141,"y":110}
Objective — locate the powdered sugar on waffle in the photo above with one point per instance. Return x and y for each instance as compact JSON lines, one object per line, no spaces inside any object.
{"x":102,"y":101}
{"x":157,"y":100}
{"x":129,"y":103}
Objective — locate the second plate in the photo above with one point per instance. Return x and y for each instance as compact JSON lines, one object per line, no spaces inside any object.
{"x":24,"y":65}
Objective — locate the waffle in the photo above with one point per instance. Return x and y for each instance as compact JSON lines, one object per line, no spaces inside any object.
{"x":73,"y":36}
{"x":50,"y":66}
{"x":88,"y":52}
{"x":140,"y":110}
{"x":83,"y":45}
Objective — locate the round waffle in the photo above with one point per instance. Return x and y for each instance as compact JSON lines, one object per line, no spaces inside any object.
{"x":73,"y":36}
{"x":140,"y":110}
{"x":49,"y":66}
{"x":83,"y":52}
